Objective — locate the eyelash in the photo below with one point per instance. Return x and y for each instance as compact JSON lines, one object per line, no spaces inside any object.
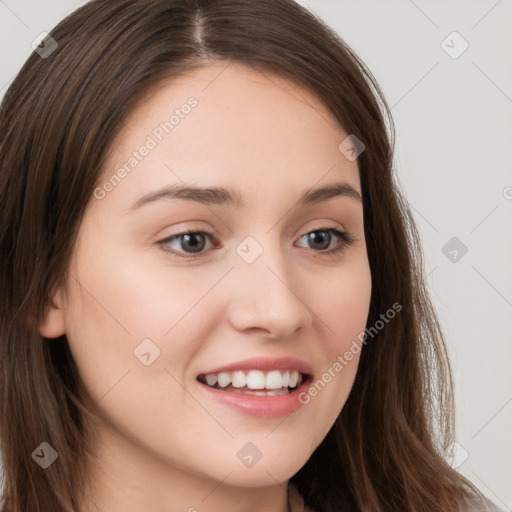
{"x":345,"y":239}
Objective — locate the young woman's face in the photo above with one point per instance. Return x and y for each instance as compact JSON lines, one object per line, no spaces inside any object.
{"x":145,"y":314}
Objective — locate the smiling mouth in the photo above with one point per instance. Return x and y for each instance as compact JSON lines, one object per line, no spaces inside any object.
{"x":273,"y":385}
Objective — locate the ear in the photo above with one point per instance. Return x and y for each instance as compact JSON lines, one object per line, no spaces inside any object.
{"x":54,"y":323}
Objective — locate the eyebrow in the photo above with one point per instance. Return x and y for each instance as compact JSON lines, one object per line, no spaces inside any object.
{"x":223,"y":196}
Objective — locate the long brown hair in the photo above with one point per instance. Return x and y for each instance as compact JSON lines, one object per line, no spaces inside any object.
{"x":57,"y":123}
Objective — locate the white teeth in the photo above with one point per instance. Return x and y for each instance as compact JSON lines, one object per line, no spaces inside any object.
{"x":211,"y":379}
{"x":294,"y":378}
{"x":274,"y":380}
{"x":238,"y":379}
{"x":271,"y":392}
{"x":256,"y":379}
{"x":224,"y":379}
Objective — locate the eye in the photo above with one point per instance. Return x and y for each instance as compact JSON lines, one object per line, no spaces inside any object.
{"x":192,"y":243}
{"x":324,"y":237}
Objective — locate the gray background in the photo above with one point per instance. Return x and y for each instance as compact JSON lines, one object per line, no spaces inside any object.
{"x":454,"y":138}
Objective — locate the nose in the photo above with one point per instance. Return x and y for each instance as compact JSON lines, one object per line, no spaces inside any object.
{"x":268,"y":297}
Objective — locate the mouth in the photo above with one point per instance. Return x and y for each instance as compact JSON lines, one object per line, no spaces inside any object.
{"x":256,"y":382}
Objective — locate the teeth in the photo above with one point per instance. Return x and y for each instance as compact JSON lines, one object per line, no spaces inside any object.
{"x":256,"y":379}
{"x":274,"y":380}
{"x":238,"y":379}
{"x":272,"y":392}
{"x":294,"y":378}
{"x":211,"y":379}
{"x":224,"y":379}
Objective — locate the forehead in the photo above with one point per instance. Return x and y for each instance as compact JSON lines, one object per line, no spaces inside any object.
{"x":227,"y":124}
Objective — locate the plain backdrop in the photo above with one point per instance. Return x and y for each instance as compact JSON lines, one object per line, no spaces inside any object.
{"x":446,"y":71}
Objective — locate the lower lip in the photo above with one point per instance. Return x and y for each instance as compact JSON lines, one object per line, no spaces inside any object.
{"x":260,"y":406}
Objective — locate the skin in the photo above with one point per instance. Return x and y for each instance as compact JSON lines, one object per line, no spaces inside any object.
{"x":271,"y":140}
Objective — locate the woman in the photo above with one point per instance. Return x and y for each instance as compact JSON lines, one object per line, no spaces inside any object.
{"x":172,"y":338}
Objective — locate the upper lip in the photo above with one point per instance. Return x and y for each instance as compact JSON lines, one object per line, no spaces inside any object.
{"x":265,"y":363}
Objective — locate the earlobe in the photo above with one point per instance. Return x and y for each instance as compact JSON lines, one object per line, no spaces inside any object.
{"x":54,"y":323}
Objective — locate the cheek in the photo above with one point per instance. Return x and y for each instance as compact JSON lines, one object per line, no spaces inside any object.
{"x":138,"y":292}
{"x":123,"y":300}
{"x":343,"y":308}
{"x":345,"y":304}
{"x":129,"y":334}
